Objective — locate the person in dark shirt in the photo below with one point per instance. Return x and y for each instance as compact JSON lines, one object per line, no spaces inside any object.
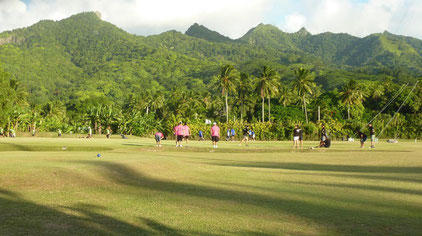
{"x":372,"y":135}
{"x":245,"y":136}
{"x":323,"y":133}
{"x":297,"y":136}
{"x":362,"y":138}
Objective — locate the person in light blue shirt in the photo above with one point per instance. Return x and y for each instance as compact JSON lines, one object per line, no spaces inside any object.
{"x":201,"y":135}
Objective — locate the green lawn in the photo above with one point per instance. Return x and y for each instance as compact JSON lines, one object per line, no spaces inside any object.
{"x":58,"y":186}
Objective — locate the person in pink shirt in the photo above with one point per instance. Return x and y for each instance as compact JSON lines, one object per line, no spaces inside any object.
{"x":215,"y":135}
{"x":186,"y":132}
{"x":158,"y":137}
{"x":179,"y":130}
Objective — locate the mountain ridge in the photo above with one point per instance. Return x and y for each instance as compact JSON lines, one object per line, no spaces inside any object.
{"x":55,"y":57}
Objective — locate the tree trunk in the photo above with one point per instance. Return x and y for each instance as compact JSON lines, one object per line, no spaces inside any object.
{"x":227,"y":108}
{"x":348,"y":112}
{"x":241,"y":111}
{"x":319,"y":113}
{"x":306,"y":113}
{"x":147,"y":110}
{"x":263,"y":102}
{"x":269,"y":109}
{"x":95,"y":126}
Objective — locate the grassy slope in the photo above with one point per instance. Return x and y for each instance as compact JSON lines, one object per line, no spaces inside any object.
{"x":267,"y":189}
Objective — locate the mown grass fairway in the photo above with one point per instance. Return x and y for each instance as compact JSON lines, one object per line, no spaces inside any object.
{"x":60,"y":186}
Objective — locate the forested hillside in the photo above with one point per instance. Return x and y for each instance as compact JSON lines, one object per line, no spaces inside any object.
{"x":72,"y":73}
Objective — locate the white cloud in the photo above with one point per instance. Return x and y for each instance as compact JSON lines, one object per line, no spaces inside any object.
{"x":232,"y":18}
{"x":359,"y":18}
{"x":294,"y":22}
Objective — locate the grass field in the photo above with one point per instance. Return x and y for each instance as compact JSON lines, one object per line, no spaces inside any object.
{"x":58,"y":186}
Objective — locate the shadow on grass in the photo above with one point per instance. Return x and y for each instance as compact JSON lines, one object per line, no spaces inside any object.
{"x":171,"y":148}
{"x":358,"y":221}
{"x":344,"y":171}
{"x":22,"y":217}
{"x":4,"y":147}
{"x":312,"y":167}
{"x":364,"y":187}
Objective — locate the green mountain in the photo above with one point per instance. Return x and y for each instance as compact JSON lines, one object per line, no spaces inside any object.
{"x":84,"y":56}
{"x":200,"y":31}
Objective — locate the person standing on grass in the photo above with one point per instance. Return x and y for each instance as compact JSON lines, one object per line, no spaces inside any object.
{"x":158,"y":137}
{"x":201,"y":135}
{"x":89,"y":132}
{"x":297,"y":136}
{"x":108,"y":132}
{"x":12,"y":133}
{"x":362,"y":138}
{"x":372,"y":135}
{"x":228,"y":135}
{"x":1,"y":132}
{"x":59,"y":132}
{"x":186,"y":132}
{"x":179,"y":131}
{"x":245,"y":136}
{"x":215,"y":134}
{"x":233,"y":133}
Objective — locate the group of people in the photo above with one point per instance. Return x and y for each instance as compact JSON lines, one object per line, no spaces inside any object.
{"x":231,"y":134}
{"x":325,"y":140}
{"x":10,"y":133}
{"x":363,"y":137}
{"x":182,"y":132}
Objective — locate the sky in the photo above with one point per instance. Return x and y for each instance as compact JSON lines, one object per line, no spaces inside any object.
{"x":232,"y":18}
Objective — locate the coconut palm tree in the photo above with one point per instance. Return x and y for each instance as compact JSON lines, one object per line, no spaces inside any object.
{"x":244,"y":92}
{"x":377,"y":90}
{"x":267,"y":86}
{"x":228,"y":79}
{"x":351,"y":94}
{"x":304,"y":84}
{"x":157,"y":102}
{"x":285,"y":96}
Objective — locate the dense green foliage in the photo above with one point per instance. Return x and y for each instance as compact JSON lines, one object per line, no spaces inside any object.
{"x":82,"y":71}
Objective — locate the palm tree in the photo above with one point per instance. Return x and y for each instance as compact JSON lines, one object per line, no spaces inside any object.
{"x":304,"y":84}
{"x":377,"y":90}
{"x":267,"y":86}
{"x":228,"y":79}
{"x":351,"y":94}
{"x":157,"y":102}
{"x":19,"y":92}
{"x":285,"y":96}
{"x":244,"y":90}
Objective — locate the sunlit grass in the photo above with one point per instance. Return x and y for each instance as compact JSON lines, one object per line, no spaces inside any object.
{"x":267,"y":188}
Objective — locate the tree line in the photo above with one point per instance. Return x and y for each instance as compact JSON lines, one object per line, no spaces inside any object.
{"x":263,"y":98}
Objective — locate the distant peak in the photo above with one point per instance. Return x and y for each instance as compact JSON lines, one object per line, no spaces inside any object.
{"x":386,"y":32}
{"x":98,"y":14}
{"x":269,"y":26}
{"x":303,"y":32}
{"x":197,"y":26}
{"x":199,"y":31}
